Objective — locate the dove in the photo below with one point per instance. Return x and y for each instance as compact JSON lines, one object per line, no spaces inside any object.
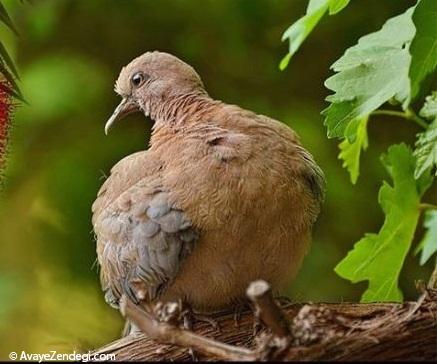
{"x":221,"y":197}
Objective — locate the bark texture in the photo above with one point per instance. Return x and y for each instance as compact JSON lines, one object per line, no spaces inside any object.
{"x":344,"y":332}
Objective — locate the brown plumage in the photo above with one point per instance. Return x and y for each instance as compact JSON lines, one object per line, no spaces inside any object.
{"x":222,"y":197}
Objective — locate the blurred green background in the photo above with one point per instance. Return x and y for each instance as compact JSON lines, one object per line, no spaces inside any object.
{"x":69,"y":54}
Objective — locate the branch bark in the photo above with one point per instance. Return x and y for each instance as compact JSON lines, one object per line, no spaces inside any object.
{"x":345,"y":332}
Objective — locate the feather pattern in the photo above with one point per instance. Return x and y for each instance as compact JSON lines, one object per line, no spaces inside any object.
{"x":142,"y":247}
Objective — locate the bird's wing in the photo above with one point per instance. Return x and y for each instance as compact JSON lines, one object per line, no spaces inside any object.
{"x":142,"y":237}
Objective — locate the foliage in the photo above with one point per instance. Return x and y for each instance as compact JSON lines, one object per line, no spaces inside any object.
{"x":428,"y":246}
{"x":368,"y":75}
{"x":8,"y":86}
{"x":392,"y":66}
{"x":378,"y":258}
{"x":426,"y":145}
{"x":7,"y":67}
{"x":299,"y":31}
{"x":351,"y":151}
{"x":424,"y":45}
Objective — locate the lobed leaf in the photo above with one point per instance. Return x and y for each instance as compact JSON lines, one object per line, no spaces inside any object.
{"x":424,"y":45}
{"x":351,"y":150}
{"x":378,"y":258}
{"x":426,"y":144}
{"x":429,"y":109}
{"x":428,"y":245}
{"x":369,"y":74}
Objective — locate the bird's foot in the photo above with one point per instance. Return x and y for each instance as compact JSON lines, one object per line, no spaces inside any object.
{"x":283,"y":301}
{"x":190,"y":317}
{"x":208,"y":320}
{"x":130,"y":329}
{"x":257,"y":326}
{"x":238,"y":310}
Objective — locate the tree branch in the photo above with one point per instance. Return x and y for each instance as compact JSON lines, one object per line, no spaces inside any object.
{"x":168,"y":333}
{"x":260,"y":293}
{"x":344,"y":332}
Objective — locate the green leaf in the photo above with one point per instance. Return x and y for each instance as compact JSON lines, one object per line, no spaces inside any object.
{"x":426,"y":150}
{"x":378,"y":258}
{"x":426,"y":144}
{"x":335,"y":6}
{"x":424,"y":45}
{"x":428,"y":245}
{"x":369,"y":74}
{"x":299,"y":30}
{"x":285,"y":61}
{"x":351,"y":150}
{"x":429,"y":109}
{"x":15,"y":90}
{"x":4,"y":18}
{"x":4,"y":55}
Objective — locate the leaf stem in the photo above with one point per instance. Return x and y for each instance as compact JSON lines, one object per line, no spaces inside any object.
{"x":409,"y":114}
{"x":425,"y":206}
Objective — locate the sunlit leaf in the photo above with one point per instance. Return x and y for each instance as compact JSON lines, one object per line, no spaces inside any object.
{"x":378,"y":258}
{"x":426,"y":145}
{"x":428,"y":245}
{"x":299,"y":31}
{"x":369,"y":74}
{"x":351,"y":150}
{"x":424,"y":46}
{"x":335,"y":6}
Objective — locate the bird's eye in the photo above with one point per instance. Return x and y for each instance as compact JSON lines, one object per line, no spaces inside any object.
{"x":138,"y":79}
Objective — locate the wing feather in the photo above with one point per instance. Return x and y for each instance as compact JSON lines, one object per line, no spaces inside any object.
{"x":142,"y":238}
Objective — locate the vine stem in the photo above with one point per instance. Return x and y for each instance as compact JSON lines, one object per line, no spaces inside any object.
{"x":409,"y":114}
{"x":426,"y":206}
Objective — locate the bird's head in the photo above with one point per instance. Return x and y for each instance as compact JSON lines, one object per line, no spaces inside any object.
{"x":150,"y":79}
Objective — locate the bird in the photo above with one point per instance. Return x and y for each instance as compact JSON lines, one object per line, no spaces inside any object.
{"x":221,"y":197}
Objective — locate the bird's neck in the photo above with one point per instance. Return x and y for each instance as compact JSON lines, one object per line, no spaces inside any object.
{"x":179,"y":109}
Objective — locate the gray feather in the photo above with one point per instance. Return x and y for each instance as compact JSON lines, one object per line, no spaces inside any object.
{"x":144,"y":247}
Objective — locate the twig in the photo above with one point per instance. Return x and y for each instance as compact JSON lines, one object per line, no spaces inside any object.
{"x":169,"y":334}
{"x":266,"y":309}
{"x":165,"y":330}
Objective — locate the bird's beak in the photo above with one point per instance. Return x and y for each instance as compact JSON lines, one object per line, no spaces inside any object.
{"x":127,"y":106}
